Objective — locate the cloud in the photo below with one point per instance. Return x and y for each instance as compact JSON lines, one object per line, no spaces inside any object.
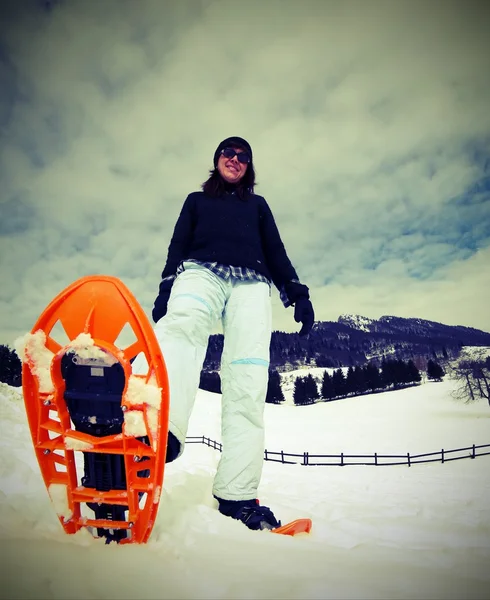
{"x":369,"y":124}
{"x":456,"y":294}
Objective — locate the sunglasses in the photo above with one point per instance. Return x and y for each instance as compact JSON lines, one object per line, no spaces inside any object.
{"x":243,"y":157}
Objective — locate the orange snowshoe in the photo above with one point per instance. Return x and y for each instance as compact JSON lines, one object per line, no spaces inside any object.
{"x":99,"y":431}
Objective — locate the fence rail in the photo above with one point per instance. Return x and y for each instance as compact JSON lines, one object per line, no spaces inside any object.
{"x":343,"y":460}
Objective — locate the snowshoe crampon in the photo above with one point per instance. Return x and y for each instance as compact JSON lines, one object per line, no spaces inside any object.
{"x":294,"y":527}
{"x":99,"y":431}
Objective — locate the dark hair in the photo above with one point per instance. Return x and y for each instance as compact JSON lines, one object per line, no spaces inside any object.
{"x":216,"y":186}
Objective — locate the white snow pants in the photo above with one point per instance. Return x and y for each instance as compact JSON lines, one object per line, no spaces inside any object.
{"x":197,"y":300}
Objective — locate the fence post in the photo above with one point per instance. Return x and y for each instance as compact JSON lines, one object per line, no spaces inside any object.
{"x":341,"y":459}
{"x":473,"y":455}
{"x":266,"y":454}
{"x":375,"y":458}
{"x":305,"y":458}
{"x":442,"y":455}
{"x":282,"y":456}
{"x":408,"y":459}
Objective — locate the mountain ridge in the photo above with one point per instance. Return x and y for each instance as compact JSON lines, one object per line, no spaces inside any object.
{"x":356,"y":340}
{"x":392,"y":322}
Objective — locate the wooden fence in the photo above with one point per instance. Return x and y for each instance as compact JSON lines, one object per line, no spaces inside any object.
{"x":343,"y":460}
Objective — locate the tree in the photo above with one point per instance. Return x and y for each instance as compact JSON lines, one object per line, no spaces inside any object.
{"x":311,"y":389}
{"x":309,"y":356}
{"x":399,"y":373}
{"x":274,"y":391}
{"x":360,"y":380}
{"x":413,"y":374}
{"x":10,"y":367}
{"x":388,"y":376}
{"x":434,"y":371}
{"x":323,"y":361}
{"x":350,"y":382}
{"x":473,"y":377}
{"x":419,"y":361}
{"x":338,"y":381}
{"x":327,"y":389}
{"x":299,"y":393}
{"x":372,"y":377}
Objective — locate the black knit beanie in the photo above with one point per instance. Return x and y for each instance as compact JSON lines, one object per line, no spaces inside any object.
{"x":231,"y":142}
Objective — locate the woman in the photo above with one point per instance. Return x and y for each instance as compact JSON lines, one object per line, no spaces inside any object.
{"x":224,"y":255}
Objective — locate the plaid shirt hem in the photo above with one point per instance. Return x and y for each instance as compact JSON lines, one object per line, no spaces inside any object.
{"x":228,"y":271}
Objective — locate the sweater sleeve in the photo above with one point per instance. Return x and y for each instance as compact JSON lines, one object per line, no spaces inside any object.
{"x":181,"y":238}
{"x":280,"y":267}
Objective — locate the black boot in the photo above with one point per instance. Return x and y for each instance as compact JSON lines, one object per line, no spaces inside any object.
{"x":249,"y":512}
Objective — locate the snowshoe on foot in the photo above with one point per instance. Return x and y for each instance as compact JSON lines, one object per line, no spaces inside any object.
{"x":249,"y":512}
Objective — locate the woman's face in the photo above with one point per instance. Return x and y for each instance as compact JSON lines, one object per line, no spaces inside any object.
{"x":230,"y":168}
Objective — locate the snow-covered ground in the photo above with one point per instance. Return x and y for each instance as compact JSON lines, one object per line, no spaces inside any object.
{"x":378,"y":532}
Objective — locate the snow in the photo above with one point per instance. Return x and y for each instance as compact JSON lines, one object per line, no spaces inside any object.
{"x":74,"y":444}
{"x":378,"y":532}
{"x":88,"y":353}
{"x":357,"y":322}
{"x":134,"y":423}
{"x":32,"y":348}
{"x":59,"y":497}
{"x":139,"y":393}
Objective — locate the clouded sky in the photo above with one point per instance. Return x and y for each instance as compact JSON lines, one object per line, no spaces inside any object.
{"x":369,"y":122}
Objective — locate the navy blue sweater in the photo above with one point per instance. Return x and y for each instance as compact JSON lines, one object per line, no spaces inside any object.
{"x":230,"y":231}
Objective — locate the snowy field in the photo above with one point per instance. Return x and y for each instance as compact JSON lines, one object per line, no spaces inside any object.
{"x":378,"y":532}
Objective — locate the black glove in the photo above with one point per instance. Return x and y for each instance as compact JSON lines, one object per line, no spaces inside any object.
{"x":161,"y":301}
{"x":298,"y":295}
{"x":303,"y":312}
